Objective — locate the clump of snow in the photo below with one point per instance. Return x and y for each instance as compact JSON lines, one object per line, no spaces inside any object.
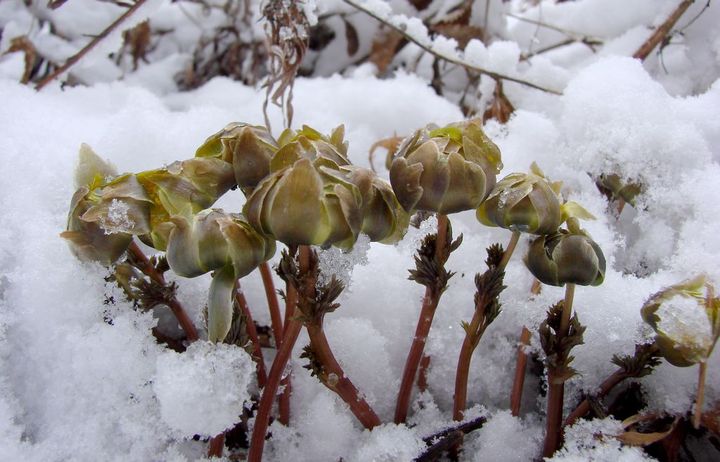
{"x":595,"y":440}
{"x":389,"y":443}
{"x":497,"y":437}
{"x":202,"y":391}
{"x":340,"y":263}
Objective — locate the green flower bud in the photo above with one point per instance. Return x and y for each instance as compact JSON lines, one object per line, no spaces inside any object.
{"x":384,"y":220}
{"x":682,"y":340}
{"x":213,"y":239}
{"x":445,"y":170}
{"x":306,"y":203}
{"x":528,"y":203}
{"x":183,"y":188}
{"x":566,"y":257}
{"x":308,"y":142}
{"x":248,"y":148}
{"x":616,"y":188}
{"x":104,"y":212}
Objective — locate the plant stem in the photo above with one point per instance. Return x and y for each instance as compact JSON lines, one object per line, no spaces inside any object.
{"x":335,"y":379}
{"x":286,"y":383}
{"x":146,"y":267}
{"x":216,"y":446}
{"x":520,"y":367}
{"x":262,"y":420}
{"x":273,"y":307}
{"x":509,"y":250}
{"x":556,"y":385}
{"x":448,"y":438}
{"x":427,"y":312}
{"x":662,"y":31}
{"x":97,"y":39}
{"x":292,"y":330}
{"x":700,"y":395}
{"x":584,"y":407}
{"x":472,"y":338}
{"x":252,"y":333}
{"x":422,"y":382}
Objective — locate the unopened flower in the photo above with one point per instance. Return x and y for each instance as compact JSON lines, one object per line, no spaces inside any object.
{"x":105,"y":212}
{"x":248,"y":148}
{"x":445,"y":170}
{"x":182,"y":188}
{"x":566,"y":256}
{"x":224,"y":243}
{"x":529,"y":203}
{"x":686,"y":321}
{"x":306,"y":204}
{"x":384,"y":219}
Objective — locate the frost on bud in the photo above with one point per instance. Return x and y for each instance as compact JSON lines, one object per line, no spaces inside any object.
{"x":566,"y":256}
{"x":104,"y":212}
{"x":445,"y":170}
{"x":686,"y":321}
{"x":384,"y":220}
{"x":248,"y":148}
{"x":183,"y":188}
{"x":529,"y":203}
{"x":216,"y":241}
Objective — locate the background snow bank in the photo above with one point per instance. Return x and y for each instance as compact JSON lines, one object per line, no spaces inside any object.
{"x":79,"y":378}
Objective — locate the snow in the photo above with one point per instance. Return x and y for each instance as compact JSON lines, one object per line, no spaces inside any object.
{"x":81,"y":376}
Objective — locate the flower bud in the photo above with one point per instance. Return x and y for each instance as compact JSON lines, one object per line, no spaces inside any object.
{"x":445,"y":170}
{"x":248,"y":148}
{"x":183,"y":188}
{"x":104,"y":212}
{"x":213,"y":239}
{"x":683,"y":337}
{"x":305,"y":204}
{"x":384,"y":220}
{"x":310,"y":143}
{"x":566,"y":257}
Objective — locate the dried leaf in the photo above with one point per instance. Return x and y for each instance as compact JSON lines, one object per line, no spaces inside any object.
{"x":351,"y":35}
{"x":384,"y":47}
{"x":24,"y":45}
{"x":634,"y":438}
{"x":462,"y":33}
{"x":501,"y":108}
{"x":390,"y":144}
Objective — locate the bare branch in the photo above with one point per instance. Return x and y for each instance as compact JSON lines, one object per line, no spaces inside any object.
{"x":662,"y":31}
{"x":450,"y":59}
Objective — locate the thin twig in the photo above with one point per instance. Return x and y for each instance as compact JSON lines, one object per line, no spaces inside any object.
{"x":450,"y":59}
{"x":447,"y":438}
{"x":662,"y":31}
{"x":77,"y":56}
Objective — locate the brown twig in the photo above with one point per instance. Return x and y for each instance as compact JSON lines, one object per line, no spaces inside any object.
{"x":451,"y":59}
{"x":520,"y":367}
{"x":662,"y":31}
{"x":448,"y":438}
{"x":146,"y":267}
{"x":97,"y":39}
{"x":286,"y":382}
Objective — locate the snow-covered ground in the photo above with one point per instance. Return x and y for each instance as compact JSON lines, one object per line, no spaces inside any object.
{"x":84,"y":380}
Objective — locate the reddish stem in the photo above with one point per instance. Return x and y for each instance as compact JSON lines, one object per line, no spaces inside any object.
{"x":253,"y":334}
{"x":422,"y":382}
{"x":463,"y":367}
{"x":584,"y":407}
{"x":335,"y":379}
{"x":520,"y":367}
{"x":286,"y":383}
{"x":427,"y":312}
{"x":262,"y":420}
{"x":216,"y":446}
{"x":273,"y":306}
{"x":662,"y":31}
{"x":175,"y":306}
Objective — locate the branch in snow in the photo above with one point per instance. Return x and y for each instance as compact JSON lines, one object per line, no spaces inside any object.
{"x":413,"y":30}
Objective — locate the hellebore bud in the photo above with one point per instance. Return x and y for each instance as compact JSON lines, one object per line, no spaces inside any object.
{"x":616,"y":188}
{"x":683,"y":337}
{"x":308,"y":142}
{"x":104,"y":212}
{"x":566,"y":257}
{"x":182,"y":188}
{"x":384,"y":220}
{"x":225,"y":243}
{"x":305,"y":204}
{"x":248,"y":148}
{"x":445,"y":170}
